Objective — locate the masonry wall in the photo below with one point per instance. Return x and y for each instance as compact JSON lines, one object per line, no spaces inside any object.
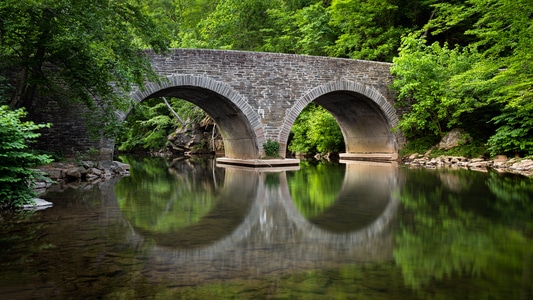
{"x":68,"y":136}
{"x":273,"y":82}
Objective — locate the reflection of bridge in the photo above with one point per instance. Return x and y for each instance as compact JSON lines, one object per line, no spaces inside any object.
{"x":274,"y":237}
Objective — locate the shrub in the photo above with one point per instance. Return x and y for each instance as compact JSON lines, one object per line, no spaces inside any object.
{"x":16,"y":159}
{"x":271,"y":148}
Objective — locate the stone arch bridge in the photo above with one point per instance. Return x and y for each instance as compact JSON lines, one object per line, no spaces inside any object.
{"x":254,"y":97}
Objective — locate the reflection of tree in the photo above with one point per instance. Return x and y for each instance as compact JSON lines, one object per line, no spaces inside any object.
{"x":315,"y":186}
{"x":21,"y":238}
{"x":354,"y":281}
{"x":159,"y":200}
{"x":78,"y":247}
{"x":514,"y":195}
{"x":448,"y":239}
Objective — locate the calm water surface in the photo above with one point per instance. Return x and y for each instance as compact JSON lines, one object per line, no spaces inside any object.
{"x":188,"y":229}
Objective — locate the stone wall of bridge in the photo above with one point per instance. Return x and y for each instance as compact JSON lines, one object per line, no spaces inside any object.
{"x":253,"y":97}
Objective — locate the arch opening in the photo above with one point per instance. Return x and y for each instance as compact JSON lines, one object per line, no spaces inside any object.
{"x":364,"y":116}
{"x":238,"y":125}
{"x":364,"y":126}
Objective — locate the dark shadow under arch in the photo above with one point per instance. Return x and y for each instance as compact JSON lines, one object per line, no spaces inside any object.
{"x":238,"y":123}
{"x":365,"y":117}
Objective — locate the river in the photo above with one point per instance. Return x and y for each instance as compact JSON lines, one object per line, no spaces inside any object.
{"x":189,"y":229}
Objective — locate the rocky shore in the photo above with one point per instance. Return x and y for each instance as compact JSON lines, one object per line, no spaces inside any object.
{"x":86,"y":171}
{"x":499,"y":164}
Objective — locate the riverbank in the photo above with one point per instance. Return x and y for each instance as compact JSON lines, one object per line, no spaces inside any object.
{"x":75,"y":172}
{"x":500,"y":164}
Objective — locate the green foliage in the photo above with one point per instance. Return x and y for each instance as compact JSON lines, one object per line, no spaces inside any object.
{"x":316,"y":131}
{"x":150,"y":123}
{"x":368,"y":29}
{"x":419,"y":145}
{"x":424,"y":76}
{"x":494,"y":70}
{"x":515,"y":133}
{"x":73,"y":50}
{"x":470,"y":150}
{"x":326,"y":182}
{"x":271,"y":148}
{"x":16,"y":159}
{"x":178,"y":19}
{"x":303,"y":31}
{"x":236,"y":24}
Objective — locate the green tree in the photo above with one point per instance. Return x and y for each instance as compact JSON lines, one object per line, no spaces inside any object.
{"x":16,"y":161}
{"x":368,"y":29}
{"x":316,"y":131}
{"x":502,"y":74}
{"x":179,"y":19}
{"x":150,"y":122}
{"x":75,"y":49}
{"x":304,"y":30}
{"x":236,"y":25}
{"x":424,"y":82}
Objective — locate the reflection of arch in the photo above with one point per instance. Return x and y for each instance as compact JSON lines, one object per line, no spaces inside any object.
{"x":358,"y":174}
{"x":239,"y":124}
{"x":262,"y":225}
{"x":364,"y":116}
{"x":240,"y":183}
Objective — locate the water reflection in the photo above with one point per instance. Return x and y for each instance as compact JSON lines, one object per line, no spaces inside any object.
{"x":189,"y":204}
{"x":255,"y":226}
{"x":469,"y":234}
{"x":356,"y":193}
{"x":382,"y":232}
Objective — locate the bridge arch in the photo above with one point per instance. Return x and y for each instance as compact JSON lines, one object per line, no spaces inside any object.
{"x":362,"y":112}
{"x":239,"y":124}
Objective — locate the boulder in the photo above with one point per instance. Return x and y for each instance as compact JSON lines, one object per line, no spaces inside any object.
{"x":95,"y":171}
{"x":77,"y":172}
{"x":523,"y":165}
{"x":104,"y":164}
{"x":54,"y":173}
{"x":87,"y":164}
{"x":454,"y":138}
{"x":120,"y":166}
